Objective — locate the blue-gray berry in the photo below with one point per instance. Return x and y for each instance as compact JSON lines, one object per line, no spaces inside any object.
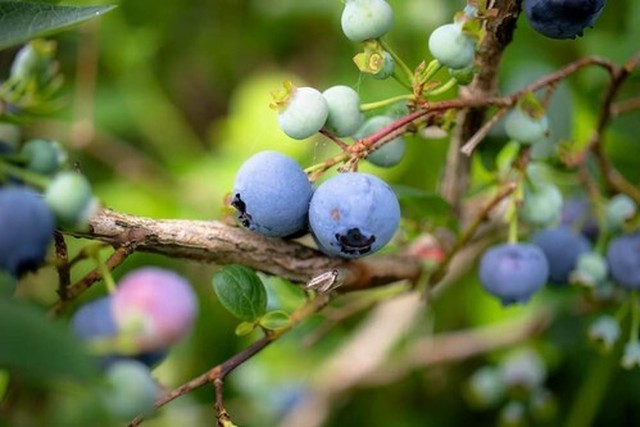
{"x":353,"y":214}
{"x":271,"y":194}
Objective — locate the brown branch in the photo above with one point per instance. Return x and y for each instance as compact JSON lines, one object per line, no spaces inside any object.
{"x":216,"y":242}
{"x":62,"y":265}
{"x":499,"y":33}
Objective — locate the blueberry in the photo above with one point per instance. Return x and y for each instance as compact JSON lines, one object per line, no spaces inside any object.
{"x":302,"y":111}
{"x":562,"y":246}
{"x":390,"y":153}
{"x":385,"y":65}
{"x":523,"y":369}
{"x":155,"y":307}
{"x":26,"y":230}
{"x":623,"y":255}
{"x":43,"y":156}
{"x":619,"y":210}
{"x":485,"y":387}
{"x":513,"y":272}
{"x":271,"y":193}
{"x":631,"y":355}
{"x":353,"y":214}
{"x":605,"y":331}
{"x":542,"y":204}
{"x":578,"y":214}
{"x":130,"y":389}
{"x":344,"y":110}
{"x":562,"y":19}
{"x":452,"y":47}
{"x":366,"y":19}
{"x":524,"y":128}
{"x":94,"y":320}
{"x":591,"y":269}
{"x":70,"y":198}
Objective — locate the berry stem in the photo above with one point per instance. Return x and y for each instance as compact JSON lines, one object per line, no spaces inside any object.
{"x":104,"y":272}
{"x":385,"y":102}
{"x":442,"y":89}
{"x":635,"y":317}
{"x":36,"y":180}
{"x":397,"y":59}
{"x":433,"y":67}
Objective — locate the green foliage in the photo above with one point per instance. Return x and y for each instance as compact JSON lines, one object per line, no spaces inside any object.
{"x":241,"y":292}
{"x":23,"y":21}
{"x":34,"y":347}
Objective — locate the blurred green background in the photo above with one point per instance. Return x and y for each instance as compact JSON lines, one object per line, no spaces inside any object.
{"x":165,"y":100}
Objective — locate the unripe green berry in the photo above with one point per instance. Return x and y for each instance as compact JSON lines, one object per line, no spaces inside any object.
{"x":591,"y":269}
{"x":43,"y":156}
{"x":131,"y":390}
{"x":366,"y":19}
{"x":521,"y":126}
{"x":70,"y":198}
{"x":344,"y":110}
{"x":605,"y":331}
{"x":452,"y":47}
{"x":391,"y":153}
{"x":302,"y":112}
{"x":618,"y":210}
{"x":542,"y":205}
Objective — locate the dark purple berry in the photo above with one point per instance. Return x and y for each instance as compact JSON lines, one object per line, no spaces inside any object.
{"x":562,"y":246}
{"x":513,"y":271}
{"x":623,"y":255}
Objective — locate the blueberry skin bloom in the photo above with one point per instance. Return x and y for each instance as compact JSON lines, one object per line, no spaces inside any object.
{"x":562,"y":19}
{"x":271,"y":193}
{"x":623,"y":255}
{"x":353,"y":214}
{"x":562,"y":246}
{"x":513,"y":271}
{"x":26,"y":230}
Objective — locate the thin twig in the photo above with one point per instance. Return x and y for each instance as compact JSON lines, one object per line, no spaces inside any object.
{"x":62,"y":265}
{"x":219,"y":372}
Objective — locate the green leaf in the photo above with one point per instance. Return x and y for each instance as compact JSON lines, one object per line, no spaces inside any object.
{"x":23,"y":21}
{"x":241,"y":292}
{"x":245,"y":328}
{"x":275,"y":320}
{"x":38,"y":348}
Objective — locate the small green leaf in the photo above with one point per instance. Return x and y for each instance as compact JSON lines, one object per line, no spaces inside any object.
{"x":507,"y":155}
{"x":23,"y":21}
{"x":275,"y":320}
{"x":245,"y":328}
{"x":241,"y":292}
{"x":38,"y":348}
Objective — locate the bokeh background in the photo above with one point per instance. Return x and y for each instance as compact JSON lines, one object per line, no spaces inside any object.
{"x":165,"y":100}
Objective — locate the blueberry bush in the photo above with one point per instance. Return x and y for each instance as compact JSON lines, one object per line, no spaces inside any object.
{"x":307,"y":213}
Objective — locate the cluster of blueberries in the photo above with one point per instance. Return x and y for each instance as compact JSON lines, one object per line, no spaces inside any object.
{"x":131,"y":331}
{"x":28,"y":217}
{"x":566,"y":253}
{"x":349,"y":215}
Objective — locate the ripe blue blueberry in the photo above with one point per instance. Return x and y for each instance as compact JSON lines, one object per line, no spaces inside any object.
{"x":623,"y":255}
{"x":562,"y":19}
{"x":452,"y":47}
{"x":94,"y":321}
{"x":524,"y":128}
{"x":344,"y":110}
{"x":366,"y":19}
{"x":271,"y":193}
{"x":578,"y":214}
{"x":562,"y":247}
{"x":26,"y":230}
{"x":390,"y":153}
{"x":302,"y":111}
{"x":353,"y":214}
{"x":513,"y":272}
{"x":155,"y":307}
